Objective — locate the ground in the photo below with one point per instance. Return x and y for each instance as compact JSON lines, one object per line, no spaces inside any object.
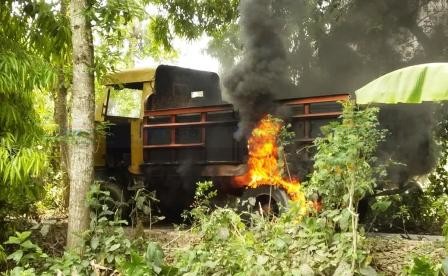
{"x":392,"y":252}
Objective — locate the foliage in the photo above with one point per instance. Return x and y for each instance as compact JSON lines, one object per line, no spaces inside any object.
{"x":151,"y":262}
{"x":410,"y":212}
{"x":143,"y":203}
{"x":22,"y":151}
{"x":345,"y":160}
{"x":423,"y":266}
{"x":27,"y":255}
{"x":435,"y":209}
{"x":2,"y":255}
{"x":202,"y":202}
{"x":424,"y":207}
{"x":262,"y":246}
{"x":439,"y":178}
{"x":374,"y":37}
{"x":190,"y":19}
{"x":108,"y":246}
{"x":115,"y":26}
{"x":107,"y":249}
{"x":54,"y":194}
{"x":344,"y":167}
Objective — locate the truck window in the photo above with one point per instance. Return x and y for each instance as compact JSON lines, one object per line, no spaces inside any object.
{"x":124,"y":103}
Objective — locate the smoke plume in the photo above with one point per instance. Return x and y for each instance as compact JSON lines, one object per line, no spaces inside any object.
{"x":410,"y":142}
{"x":251,"y":85}
{"x":262,"y":75}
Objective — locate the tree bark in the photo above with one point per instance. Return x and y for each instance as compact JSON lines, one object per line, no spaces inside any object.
{"x":60,"y":118}
{"x":61,"y":115}
{"x":82,"y":124}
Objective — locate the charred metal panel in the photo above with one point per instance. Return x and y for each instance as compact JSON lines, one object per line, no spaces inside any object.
{"x":180,"y":87}
{"x":224,"y":170}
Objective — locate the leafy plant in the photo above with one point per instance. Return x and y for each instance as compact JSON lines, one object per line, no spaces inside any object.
{"x":202,"y":202}
{"x":423,"y":266}
{"x":144,"y":206}
{"x":345,"y":168}
{"x":23,"y":154}
{"x":283,"y":246}
{"x":2,"y":255}
{"x":107,"y":248}
{"x":27,"y":254}
{"x":150,"y":263}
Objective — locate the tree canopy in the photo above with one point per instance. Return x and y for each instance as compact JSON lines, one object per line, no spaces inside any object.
{"x":333,"y":45}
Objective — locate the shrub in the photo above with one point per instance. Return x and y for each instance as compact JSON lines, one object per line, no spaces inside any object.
{"x":107,"y":249}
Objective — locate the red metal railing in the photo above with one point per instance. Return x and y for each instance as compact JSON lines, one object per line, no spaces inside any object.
{"x":308,"y":116}
{"x":172,"y":125}
{"x":203,"y":112}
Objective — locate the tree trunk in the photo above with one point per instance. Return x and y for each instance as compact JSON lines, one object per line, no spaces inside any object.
{"x":60,"y":118}
{"x":82,"y":124}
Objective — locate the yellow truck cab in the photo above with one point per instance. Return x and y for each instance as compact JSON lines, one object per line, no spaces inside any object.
{"x":123,"y":106}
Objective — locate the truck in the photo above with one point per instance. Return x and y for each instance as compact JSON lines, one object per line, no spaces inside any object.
{"x":168,"y":128}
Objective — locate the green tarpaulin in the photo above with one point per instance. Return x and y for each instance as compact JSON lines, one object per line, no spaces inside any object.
{"x":414,"y":84}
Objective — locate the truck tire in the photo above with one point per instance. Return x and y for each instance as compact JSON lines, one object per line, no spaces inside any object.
{"x":121,"y":197}
{"x":269,"y":200}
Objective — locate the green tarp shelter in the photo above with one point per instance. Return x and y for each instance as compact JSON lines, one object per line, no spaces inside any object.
{"x":413,"y":84}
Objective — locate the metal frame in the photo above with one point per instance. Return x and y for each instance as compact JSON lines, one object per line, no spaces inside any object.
{"x":307,"y":116}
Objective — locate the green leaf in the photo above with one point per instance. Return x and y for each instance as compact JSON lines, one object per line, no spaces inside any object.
{"x":380,"y":206}
{"x":94,"y":242}
{"x":23,"y":235}
{"x":445,"y":266}
{"x":28,"y":244}
{"x":16,"y":256}
{"x":13,"y":240}
{"x":154,"y":254}
{"x":343,"y":269}
{"x":262,"y":259}
{"x":422,"y":267}
{"x":368,"y":271}
{"x":114,"y":247}
{"x":305,"y":270}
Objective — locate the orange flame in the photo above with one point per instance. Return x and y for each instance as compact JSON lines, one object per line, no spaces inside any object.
{"x":263,"y":165}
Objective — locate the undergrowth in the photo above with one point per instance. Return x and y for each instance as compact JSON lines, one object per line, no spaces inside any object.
{"x":325,"y":241}
{"x":107,"y":249}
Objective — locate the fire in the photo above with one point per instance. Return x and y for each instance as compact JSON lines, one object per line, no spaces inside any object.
{"x":263,"y":163}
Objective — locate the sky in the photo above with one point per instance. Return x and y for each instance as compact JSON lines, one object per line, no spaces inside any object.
{"x":191,"y":54}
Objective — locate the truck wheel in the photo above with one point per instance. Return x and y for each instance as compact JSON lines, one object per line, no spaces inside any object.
{"x":120,"y":198}
{"x":269,"y":200}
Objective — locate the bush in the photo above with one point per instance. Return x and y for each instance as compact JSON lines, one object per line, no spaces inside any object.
{"x":107,"y":249}
{"x":261,"y":246}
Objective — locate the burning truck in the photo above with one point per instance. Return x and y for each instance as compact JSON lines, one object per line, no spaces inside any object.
{"x":168,"y":128}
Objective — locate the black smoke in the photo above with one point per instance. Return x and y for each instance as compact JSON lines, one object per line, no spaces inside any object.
{"x":263,"y":74}
{"x":252,"y":84}
{"x":410,"y":143}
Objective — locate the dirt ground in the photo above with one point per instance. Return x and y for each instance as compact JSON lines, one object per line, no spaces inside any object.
{"x":392,"y":252}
